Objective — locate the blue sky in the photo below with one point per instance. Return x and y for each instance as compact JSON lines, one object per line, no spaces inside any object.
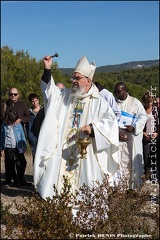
{"x":107,"y":32}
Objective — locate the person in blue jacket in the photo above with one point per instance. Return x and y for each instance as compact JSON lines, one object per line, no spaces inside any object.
{"x":13,"y":146}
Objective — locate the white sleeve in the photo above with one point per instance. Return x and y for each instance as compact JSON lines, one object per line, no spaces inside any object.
{"x":108,"y":96}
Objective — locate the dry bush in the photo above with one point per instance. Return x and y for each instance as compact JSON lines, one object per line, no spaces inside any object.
{"x":103,"y":210}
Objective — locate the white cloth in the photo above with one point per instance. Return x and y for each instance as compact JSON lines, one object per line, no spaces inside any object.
{"x":131,"y":152}
{"x":150,"y":124}
{"x":56,"y":157}
{"x":108,"y":96}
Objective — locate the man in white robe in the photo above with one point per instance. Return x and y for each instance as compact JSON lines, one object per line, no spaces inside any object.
{"x":70,"y":114}
{"x":131,"y":127}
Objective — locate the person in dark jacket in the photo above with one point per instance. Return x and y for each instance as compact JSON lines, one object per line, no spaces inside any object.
{"x":30,"y":126}
{"x":20,"y":107}
{"x":13,"y":103}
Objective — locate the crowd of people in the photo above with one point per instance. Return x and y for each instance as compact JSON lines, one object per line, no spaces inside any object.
{"x":85,"y":133}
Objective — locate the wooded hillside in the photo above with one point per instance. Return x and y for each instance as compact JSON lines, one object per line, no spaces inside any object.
{"x":19,"y":70}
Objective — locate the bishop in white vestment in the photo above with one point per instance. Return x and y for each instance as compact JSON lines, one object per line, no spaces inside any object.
{"x":70,"y":114}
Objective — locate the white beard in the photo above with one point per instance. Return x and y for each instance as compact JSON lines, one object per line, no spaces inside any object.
{"x":77,"y":92}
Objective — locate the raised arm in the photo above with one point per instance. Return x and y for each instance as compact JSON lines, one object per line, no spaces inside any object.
{"x":47,"y":69}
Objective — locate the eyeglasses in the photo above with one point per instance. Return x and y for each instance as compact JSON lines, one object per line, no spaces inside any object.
{"x":77,"y":78}
{"x":13,"y":94}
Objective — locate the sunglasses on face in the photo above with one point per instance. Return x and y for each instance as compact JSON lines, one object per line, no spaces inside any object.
{"x":13,"y":94}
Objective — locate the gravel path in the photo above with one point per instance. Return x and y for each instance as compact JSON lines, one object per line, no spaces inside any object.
{"x":9,"y":194}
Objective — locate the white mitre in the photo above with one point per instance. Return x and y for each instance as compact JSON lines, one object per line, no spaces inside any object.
{"x":85,"y":68}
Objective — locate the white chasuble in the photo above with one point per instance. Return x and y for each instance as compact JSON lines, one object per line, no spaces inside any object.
{"x":131,"y":152}
{"x":58,"y":153}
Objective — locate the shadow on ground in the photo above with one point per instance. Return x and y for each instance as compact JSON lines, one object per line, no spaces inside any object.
{"x":23,"y":191}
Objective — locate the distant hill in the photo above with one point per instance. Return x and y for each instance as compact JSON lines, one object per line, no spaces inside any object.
{"x":117,"y":67}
